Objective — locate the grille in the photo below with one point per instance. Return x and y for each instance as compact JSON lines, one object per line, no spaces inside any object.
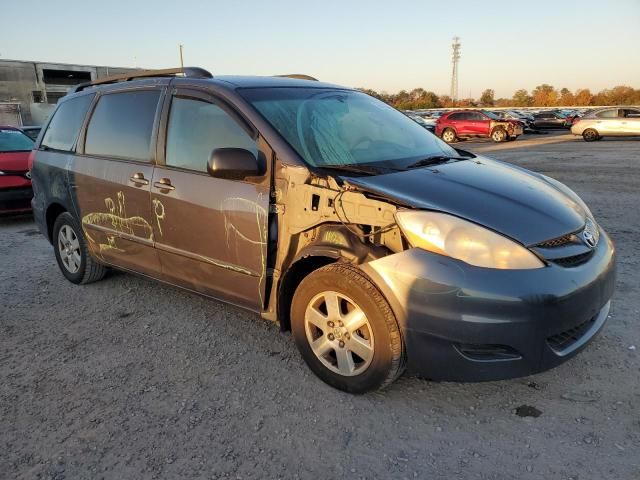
{"x":557,"y":242}
{"x":574,"y":260}
{"x":563,"y":340}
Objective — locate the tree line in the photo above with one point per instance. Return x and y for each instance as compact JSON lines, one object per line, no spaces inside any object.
{"x":542,"y":96}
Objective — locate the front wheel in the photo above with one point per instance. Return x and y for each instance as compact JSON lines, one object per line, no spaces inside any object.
{"x":590,"y":135}
{"x":499,"y":135}
{"x":345,"y":330}
{"x":71,"y":252}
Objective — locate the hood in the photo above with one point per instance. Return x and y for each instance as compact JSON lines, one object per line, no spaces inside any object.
{"x":502,"y":197}
{"x":14,"y":161}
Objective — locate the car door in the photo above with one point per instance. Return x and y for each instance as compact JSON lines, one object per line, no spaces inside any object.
{"x":629,"y":121}
{"x":607,"y":122}
{"x":458,"y":121}
{"x":541,"y":120}
{"x":211,"y":233}
{"x":111,"y":179}
{"x":478,"y":124}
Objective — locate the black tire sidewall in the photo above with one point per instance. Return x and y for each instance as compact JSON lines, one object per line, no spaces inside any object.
{"x":68,"y":219}
{"x":593,"y":138}
{"x":378,"y":371}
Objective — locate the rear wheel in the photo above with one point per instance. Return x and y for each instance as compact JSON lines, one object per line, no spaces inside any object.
{"x":499,"y":135}
{"x":590,"y":135}
{"x":71,"y":252}
{"x":345,"y":330}
{"x":449,"y":135}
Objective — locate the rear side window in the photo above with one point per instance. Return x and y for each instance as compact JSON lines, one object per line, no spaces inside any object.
{"x":122,"y":124}
{"x":65,"y":125}
{"x":607,"y":114}
{"x":196,"y":128}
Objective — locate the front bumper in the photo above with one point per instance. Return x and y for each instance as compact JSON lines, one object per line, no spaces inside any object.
{"x":465,"y":323}
{"x":15,"y":200}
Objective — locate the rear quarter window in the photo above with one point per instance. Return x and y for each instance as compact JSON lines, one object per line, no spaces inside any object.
{"x":122,"y":125}
{"x":65,"y":125}
{"x":613,"y":113}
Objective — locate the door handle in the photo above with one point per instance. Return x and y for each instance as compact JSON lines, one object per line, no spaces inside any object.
{"x":164,"y":184}
{"x":138,"y":179}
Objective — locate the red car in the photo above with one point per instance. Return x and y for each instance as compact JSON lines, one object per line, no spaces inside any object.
{"x":15,"y":178}
{"x":477,"y":123}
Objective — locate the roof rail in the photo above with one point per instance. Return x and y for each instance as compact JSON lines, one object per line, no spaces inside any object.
{"x":190,"y":72}
{"x":300,"y":76}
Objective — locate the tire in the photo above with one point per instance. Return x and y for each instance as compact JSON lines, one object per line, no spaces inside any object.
{"x":375,"y":365}
{"x":499,"y":135}
{"x":72,"y":255}
{"x":449,"y":135}
{"x":590,"y":135}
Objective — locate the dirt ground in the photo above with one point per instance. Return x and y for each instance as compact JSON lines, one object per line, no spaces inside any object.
{"x":126,"y":378}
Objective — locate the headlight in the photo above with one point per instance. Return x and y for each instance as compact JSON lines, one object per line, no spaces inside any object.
{"x":466,"y":241}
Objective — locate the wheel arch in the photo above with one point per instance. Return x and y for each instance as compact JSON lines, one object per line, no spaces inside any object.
{"x":54,"y":210}
{"x":299,"y":269}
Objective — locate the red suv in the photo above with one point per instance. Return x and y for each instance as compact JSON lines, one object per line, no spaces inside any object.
{"x":15,"y":179}
{"x":476,"y":123}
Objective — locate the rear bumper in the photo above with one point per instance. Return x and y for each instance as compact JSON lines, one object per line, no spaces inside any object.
{"x":15,"y":200}
{"x":465,"y":323}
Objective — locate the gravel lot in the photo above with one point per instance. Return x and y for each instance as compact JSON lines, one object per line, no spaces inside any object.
{"x":126,"y":378}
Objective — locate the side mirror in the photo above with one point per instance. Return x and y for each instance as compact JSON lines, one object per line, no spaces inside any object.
{"x":233,"y":164}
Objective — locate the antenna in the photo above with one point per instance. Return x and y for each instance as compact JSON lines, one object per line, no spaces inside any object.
{"x":455,"y":57}
{"x":181,"y":59}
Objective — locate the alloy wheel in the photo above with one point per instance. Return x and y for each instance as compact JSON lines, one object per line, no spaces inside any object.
{"x":339,"y":333}
{"x":69,"y":249}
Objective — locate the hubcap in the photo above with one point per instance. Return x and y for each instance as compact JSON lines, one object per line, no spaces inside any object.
{"x":448,"y":136}
{"x":69,"y":249}
{"x":339,"y":333}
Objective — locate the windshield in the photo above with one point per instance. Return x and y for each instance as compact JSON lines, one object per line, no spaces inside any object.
{"x":14,"y":141}
{"x":329,"y":127}
{"x":491,"y":115}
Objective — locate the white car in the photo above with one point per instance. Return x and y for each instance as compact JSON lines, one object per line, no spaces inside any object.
{"x":612,"y":121}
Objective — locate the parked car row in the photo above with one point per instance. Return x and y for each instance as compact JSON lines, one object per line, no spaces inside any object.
{"x":506,"y":125}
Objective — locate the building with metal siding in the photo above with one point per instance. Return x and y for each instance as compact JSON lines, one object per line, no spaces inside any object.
{"x":29,"y":90}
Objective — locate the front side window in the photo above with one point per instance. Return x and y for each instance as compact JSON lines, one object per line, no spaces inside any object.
{"x":122,"y":125}
{"x":196,"y":128}
{"x":491,"y":115}
{"x":14,"y":141}
{"x":341,"y":127}
{"x":630,"y":113}
{"x":65,"y":125}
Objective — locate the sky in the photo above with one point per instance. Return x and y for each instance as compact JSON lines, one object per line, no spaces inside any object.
{"x":383,"y":45}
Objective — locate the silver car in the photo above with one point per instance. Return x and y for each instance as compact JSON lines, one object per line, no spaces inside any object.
{"x":605,"y":122}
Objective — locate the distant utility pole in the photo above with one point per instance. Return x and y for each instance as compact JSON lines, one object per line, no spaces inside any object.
{"x":181,"y":59}
{"x":455,"y":57}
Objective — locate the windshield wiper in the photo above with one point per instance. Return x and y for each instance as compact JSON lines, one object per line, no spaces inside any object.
{"x":434,"y":160}
{"x":366,"y":169}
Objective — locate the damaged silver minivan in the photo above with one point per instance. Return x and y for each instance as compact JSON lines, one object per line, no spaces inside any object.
{"x":378,"y":245}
